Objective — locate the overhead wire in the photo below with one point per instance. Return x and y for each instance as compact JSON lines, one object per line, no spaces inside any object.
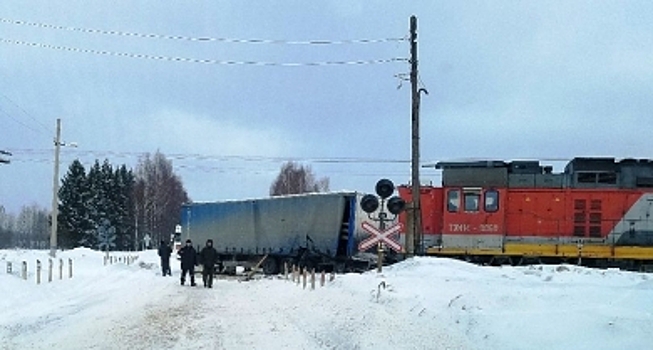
{"x":19,"y":121}
{"x":201,"y":61}
{"x":208,"y":157}
{"x":201,"y":38}
{"x":40,"y":124}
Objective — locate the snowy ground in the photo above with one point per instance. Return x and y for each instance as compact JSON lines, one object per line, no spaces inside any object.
{"x":428,"y":303}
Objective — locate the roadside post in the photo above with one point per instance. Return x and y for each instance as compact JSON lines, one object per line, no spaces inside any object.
{"x":382,"y":236}
{"x":49,"y":270}
{"x":38,"y":271}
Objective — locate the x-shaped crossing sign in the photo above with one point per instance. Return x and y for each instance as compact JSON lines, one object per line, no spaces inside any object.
{"x":378,"y":236}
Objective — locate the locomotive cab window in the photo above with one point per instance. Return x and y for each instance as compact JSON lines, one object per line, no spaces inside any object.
{"x":491,"y":201}
{"x":472,"y":198}
{"x":453,"y":201}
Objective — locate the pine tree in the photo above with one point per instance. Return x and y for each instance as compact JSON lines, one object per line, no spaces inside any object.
{"x":96,"y":205}
{"x":124,"y":207}
{"x":74,"y":211}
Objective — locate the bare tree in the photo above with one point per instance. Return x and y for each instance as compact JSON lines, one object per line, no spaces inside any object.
{"x":7,"y":223}
{"x":32,"y":227}
{"x":158,"y":196}
{"x":296,"y":178}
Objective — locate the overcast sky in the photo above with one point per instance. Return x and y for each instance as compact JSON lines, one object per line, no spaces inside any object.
{"x":506,"y":80}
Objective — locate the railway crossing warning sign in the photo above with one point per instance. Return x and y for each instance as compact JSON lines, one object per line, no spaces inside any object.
{"x":378,"y":236}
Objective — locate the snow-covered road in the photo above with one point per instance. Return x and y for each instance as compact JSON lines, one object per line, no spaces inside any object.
{"x":426,"y":304}
{"x":119,"y":306}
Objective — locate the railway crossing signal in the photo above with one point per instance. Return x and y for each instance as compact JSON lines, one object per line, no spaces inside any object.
{"x":382,"y":235}
{"x":379,"y":236}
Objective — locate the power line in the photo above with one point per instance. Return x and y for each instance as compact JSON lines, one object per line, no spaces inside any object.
{"x":202,"y":61}
{"x":205,"y":157}
{"x":48,"y":130}
{"x":200,"y":39}
{"x":19,"y":121}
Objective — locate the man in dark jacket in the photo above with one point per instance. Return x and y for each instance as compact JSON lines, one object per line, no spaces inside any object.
{"x":164,"y":253}
{"x":208,"y":258}
{"x":188,"y":257}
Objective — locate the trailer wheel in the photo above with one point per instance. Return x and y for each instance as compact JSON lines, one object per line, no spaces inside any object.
{"x":270,"y":266}
{"x":340,"y":267}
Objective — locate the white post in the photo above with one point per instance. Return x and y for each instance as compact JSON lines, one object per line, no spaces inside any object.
{"x":50,"y":270}
{"x":24,"y":272}
{"x":313,"y":279}
{"x":38,"y":271}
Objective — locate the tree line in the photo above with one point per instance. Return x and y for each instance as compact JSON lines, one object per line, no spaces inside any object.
{"x":109,"y":207}
{"x":104,"y":207}
{"x":30,"y":229}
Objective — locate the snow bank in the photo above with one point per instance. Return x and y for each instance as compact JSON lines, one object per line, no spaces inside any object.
{"x":421,"y":303}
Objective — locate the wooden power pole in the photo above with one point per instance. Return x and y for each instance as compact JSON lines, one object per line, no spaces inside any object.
{"x":414,"y":232}
{"x":55,"y":192}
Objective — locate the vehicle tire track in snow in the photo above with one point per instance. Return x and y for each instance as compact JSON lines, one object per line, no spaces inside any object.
{"x":173,"y":321}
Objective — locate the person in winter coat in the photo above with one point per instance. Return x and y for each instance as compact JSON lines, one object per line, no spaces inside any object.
{"x":164,"y":253}
{"x":188,"y":257}
{"x":208,"y":258}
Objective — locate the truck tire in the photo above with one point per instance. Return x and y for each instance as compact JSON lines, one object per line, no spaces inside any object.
{"x":270,"y":266}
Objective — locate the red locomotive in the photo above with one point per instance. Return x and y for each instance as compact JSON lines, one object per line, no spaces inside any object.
{"x":597,"y":212}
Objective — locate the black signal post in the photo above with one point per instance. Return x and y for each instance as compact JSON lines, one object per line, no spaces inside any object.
{"x":395,"y":205}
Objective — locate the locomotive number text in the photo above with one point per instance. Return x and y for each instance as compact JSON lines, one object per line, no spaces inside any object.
{"x":489,"y":228}
{"x":473,"y":228}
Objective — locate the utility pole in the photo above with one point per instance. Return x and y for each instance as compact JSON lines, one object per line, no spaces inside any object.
{"x":414,"y":232}
{"x":55,"y":191}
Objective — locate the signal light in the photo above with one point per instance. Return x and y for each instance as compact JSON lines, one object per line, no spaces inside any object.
{"x":369,"y":203}
{"x":396,"y":205}
{"x":385,"y":188}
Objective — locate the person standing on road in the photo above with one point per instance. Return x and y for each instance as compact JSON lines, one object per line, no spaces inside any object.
{"x":164,"y":253}
{"x":208,"y":258}
{"x":188,"y":257}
